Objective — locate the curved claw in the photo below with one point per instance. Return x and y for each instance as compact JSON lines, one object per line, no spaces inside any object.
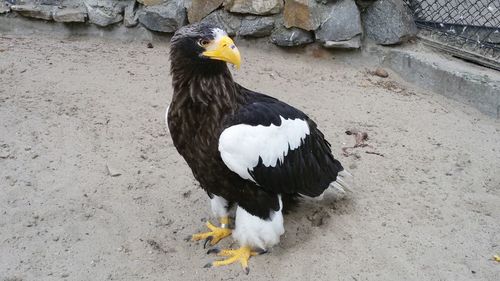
{"x":262,"y":252}
{"x":209,"y":239}
{"x":213,"y":251}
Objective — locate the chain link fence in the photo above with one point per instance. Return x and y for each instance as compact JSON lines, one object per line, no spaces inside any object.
{"x":469,"y":29}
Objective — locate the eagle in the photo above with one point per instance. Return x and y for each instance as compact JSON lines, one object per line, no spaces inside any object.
{"x":250,"y":152}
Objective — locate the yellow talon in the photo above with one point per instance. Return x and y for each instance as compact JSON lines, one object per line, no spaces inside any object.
{"x":242,"y":255}
{"x":215,"y":234}
{"x":496,"y":258}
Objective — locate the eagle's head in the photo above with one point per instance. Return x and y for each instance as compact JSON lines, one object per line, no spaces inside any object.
{"x":203,"y":46}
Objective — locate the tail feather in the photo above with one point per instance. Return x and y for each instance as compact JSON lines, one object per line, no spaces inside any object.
{"x":345,"y":173}
{"x":344,"y":182}
{"x":338,"y":188}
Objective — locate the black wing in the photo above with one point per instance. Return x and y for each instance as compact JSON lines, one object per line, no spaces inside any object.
{"x":308,"y":169}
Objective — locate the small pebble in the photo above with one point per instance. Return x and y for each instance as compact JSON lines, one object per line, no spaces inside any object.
{"x":380,"y":72}
{"x":112,"y":171}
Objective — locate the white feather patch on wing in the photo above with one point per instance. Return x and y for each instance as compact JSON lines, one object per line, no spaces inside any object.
{"x":255,"y":232}
{"x":242,"y":145}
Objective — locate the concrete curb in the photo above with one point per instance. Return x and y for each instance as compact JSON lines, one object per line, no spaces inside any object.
{"x":448,"y":76}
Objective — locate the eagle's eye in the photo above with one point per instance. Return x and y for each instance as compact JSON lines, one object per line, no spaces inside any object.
{"x":203,"y":42}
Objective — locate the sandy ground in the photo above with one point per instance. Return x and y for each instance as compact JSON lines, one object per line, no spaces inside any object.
{"x":428,"y":209}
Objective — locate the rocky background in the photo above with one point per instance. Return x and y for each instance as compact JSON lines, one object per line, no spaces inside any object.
{"x":333,"y":23}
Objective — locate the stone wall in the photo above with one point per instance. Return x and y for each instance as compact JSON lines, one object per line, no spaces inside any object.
{"x":333,"y":23}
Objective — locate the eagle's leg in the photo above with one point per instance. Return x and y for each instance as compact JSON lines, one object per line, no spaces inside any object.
{"x":216,"y":233}
{"x":221,"y":209}
{"x":252,"y":232}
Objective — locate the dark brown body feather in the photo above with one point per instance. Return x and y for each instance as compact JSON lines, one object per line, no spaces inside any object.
{"x":196,"y":118}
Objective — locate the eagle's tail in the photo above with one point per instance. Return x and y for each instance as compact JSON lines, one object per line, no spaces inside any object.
{"x":337,"y":189}
{"x":343,"y":183}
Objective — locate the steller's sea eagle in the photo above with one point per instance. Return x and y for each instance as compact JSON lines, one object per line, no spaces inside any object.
{"x":249,"y":151}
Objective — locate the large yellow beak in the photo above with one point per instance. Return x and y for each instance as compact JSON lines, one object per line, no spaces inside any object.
{"x":225,"y":50}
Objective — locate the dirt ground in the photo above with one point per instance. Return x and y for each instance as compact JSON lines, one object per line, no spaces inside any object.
{"x":427,"y":208}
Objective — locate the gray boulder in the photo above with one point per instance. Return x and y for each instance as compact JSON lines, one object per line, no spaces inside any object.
{"x":198,"y":9}
{"x":43,"y":12}
{"x":289,"y":37}
{"x":389,"y":22}
{"x":105,"y":12}
{"x":342,"y":23}
{"x":130,"y":16}
{"x":227,"y":21}
{"x":70,"y":15}
{"x":166,"y":17}
{"x":256,"y":26}
{"x":4,"y":8}
{"x":305,"y":14}
{"x":256,"y":7}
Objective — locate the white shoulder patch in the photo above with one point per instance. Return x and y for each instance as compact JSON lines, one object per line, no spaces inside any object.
{"x":242,"y":145}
